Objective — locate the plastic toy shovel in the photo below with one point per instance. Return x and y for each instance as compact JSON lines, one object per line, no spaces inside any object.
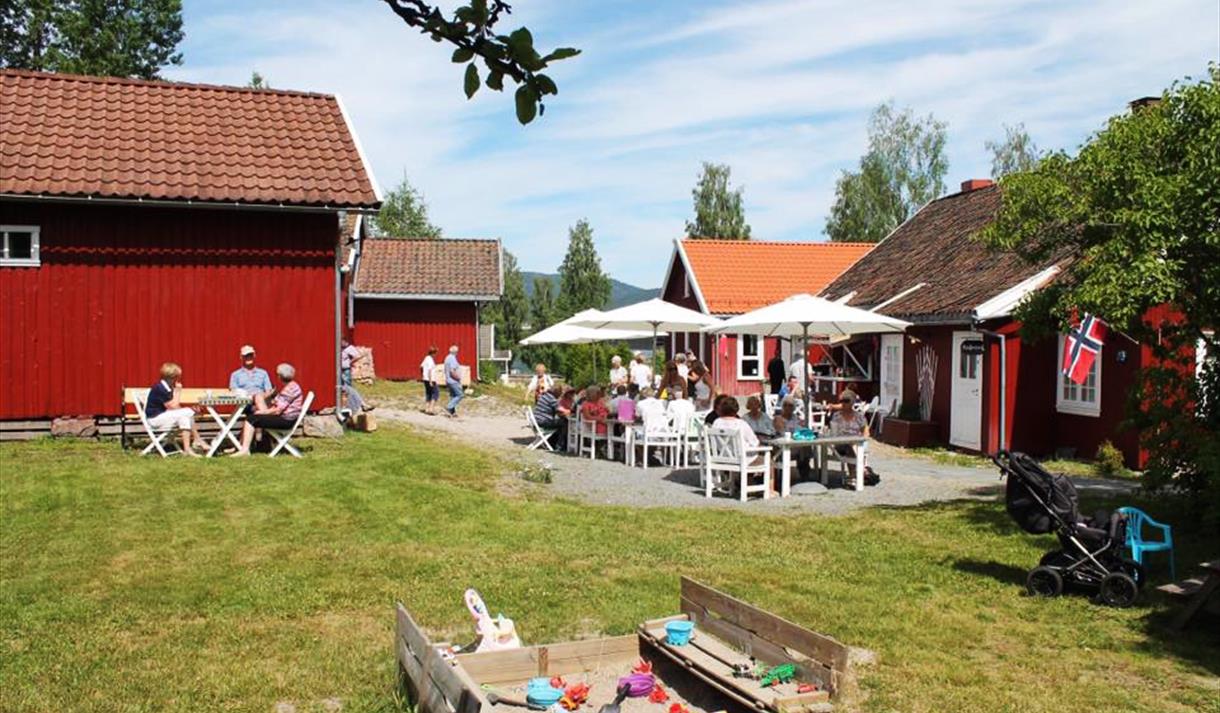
{"x":615,"y":707}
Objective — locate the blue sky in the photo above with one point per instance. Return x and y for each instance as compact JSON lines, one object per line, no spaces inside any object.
{"x":779,"y":89}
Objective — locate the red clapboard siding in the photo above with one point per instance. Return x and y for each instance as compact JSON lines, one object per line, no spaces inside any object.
{"x":400,"y":332}
{"x":122,"y":289}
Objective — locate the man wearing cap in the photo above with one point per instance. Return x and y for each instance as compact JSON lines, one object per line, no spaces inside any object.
{"x":250,"y":379}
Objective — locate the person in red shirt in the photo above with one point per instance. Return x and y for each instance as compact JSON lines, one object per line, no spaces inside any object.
{"x":593,"y":410}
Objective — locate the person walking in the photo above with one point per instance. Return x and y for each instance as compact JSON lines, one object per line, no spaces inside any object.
{"x":453,"y":380}
{"x":348,"y":356}
{"x":432,"y":390}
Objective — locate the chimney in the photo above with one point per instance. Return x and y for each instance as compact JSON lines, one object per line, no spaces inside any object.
{"x":976,"y":183}
{"x":1143,"y":103}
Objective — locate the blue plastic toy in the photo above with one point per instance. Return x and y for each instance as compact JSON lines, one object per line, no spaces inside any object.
{"x":677,"y":633}
{"x":1136,"y":520}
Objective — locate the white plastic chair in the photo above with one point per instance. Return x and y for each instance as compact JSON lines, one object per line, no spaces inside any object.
{"x":282,"y":436}
{"x":590,"y":437}
{"x":691,"y":439}
{"x":156,"y":438}
{"x":847,"y":463}
{"x":657,"y":432}
{"x":542,"y":436}
{"x":729,"y":458}
{"x":620,"y":433}
{"x":573,"y":433}
{"x":770,"y":403}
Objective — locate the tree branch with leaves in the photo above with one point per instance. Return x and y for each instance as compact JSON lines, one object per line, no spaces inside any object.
{"x":472,"y":30}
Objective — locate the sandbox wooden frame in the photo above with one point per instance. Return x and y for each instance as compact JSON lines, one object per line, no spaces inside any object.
{"x":437,"y":685}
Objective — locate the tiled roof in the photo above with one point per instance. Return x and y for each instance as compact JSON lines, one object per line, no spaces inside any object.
{"x":736,"y":276}
{"x":936,"y":246}
{"x":73,"y":136}
{"x":422,"y":267}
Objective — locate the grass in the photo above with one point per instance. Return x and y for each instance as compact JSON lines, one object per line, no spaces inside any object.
{"x":1074,"y":467}
{"x":142,"y":584}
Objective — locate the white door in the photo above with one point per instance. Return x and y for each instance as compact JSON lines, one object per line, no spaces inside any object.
{"x":966,"y":410}
{"x":891,"y":372}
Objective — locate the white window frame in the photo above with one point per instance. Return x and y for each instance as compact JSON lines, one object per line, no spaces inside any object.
{"x":742,"y":358}
{"x":1076,"y":406}
{"x":35,"y":258}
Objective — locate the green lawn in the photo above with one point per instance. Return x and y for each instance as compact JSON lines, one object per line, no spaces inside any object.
{"x":141,"y":584}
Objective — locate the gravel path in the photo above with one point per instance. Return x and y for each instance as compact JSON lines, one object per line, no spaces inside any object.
{"x":905,"y":480}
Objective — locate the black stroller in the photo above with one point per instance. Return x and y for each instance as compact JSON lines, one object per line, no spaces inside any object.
{"x":1091,"y":555}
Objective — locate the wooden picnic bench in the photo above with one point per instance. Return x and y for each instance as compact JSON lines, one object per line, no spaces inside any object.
{"x":1197,"y":592}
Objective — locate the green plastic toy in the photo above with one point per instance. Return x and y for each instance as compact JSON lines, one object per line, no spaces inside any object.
{"x":782,"y":673}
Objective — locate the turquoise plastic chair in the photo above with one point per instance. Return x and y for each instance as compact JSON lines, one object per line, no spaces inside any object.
{"x":1136,"y":520}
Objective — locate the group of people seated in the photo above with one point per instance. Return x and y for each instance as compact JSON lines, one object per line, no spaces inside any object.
{"x":270,"y":408}
{"x":686,"y":386}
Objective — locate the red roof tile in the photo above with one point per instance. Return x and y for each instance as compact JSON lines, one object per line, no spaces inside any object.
{"x":736,"y":276}
{"x":937,"y":247}
{"x":417,"y":267}
{"x":73,"y":136}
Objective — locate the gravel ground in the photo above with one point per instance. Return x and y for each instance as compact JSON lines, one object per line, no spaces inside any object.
{"x":905,"y":480}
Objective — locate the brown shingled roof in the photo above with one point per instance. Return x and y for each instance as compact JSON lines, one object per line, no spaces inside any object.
{"x":73,"y":136}
{"x":419,"y":267}
{"x":936,"y":246}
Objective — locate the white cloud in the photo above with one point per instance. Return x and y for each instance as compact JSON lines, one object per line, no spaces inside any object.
{"x":780,"y":90}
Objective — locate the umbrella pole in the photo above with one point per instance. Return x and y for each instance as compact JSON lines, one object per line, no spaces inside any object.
{"x":654,"y":353}
{"x":805,"y":375}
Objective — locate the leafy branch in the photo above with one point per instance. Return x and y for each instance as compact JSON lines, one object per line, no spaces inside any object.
{"x":472,"y":31}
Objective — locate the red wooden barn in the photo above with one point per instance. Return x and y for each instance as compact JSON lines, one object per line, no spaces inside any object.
{"x":731,"y":277}
{"x":409,"y":294}
{"x":145,"y":222}
{"x":991,"y":389}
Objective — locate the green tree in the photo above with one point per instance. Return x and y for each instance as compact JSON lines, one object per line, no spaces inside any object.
{"x":511,"y":312}
{"x":121,"y":38}
{"x":903,"y":169}
{"x":472,"y":30}
{"x":543,"y":312}
{"x":258,"y":81}
{"x":582,"y":284}
{"x":1016,"y":152}
{"x":1137,"y":213}
{"x":404,"y":214}
{"x":718,"y":208}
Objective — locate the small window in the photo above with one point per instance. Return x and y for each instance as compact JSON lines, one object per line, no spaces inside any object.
{"x":749,"y":356}
{"x":1081,"y":399}
{"x":968,"y":366}
{"x":19,"y":245}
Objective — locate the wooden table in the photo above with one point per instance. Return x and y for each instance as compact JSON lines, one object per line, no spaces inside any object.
{"x":224,"y":399}
{"x":786,"y":445}
{"x":1196,"y":591}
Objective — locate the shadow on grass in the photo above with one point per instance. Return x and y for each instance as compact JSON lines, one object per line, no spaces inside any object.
{"x":1005,"y":573}
{"x":1199,"y":643}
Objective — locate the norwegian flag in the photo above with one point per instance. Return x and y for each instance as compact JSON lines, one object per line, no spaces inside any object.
{"x":1082,"y":346}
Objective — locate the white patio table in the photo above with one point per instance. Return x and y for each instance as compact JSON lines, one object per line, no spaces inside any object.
{"x":787,"y":444}
{"x":239,"y":403}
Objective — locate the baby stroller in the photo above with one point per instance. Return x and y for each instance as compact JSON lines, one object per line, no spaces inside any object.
{"x":1091,"y":555}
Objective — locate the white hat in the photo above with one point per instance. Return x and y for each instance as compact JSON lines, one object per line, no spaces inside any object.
{"x":247,"y":349}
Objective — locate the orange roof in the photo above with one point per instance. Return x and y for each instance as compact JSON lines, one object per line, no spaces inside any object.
{"x":736,"y":276}
{"x":100,"y":137}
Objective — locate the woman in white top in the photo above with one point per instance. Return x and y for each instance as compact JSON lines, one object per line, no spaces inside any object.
{"x":541,"y":382}
{"x":641,"y":374}
{"x":432,"y":391}
{"x":618,"y":372}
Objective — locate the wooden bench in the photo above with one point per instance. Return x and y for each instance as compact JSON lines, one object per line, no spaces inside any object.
{"x":1196,"y":592}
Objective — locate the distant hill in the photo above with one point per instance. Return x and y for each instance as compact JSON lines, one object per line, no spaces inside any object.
{"x":620,"y":292}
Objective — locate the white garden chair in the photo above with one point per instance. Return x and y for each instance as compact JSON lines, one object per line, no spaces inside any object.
{"x":691,"y":439}
{"x":573,"y":433}
{"x":657,"y":432}
{"x":620,"y":433}
{"x":729,"y":459}
{"x":282,"y":436}
{"x":542,"y":436}
{"x":589,"y":438}
{"x":770,"y":403}
{"x":156,"y":438}
{"x":847,"y":463}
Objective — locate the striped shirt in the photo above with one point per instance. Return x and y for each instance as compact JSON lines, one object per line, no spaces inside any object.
{"x":289,"y":400}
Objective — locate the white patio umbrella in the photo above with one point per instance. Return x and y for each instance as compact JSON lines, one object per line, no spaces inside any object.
{"x":802,"y":315}
{"x":567,"y":333}
{"x":655,"y":314}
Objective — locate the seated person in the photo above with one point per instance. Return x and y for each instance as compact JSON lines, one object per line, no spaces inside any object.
{"x":623,"y":405}
{"x":789,"y":388}
{"x":759,"y":422}
{"x":164,"y":409}
{"x":786,"y":421}
{"x":546,"y":413}
{"x":714,"y":413}
{"x":594,"y":411}
{"x":649,"y":404}
{"x":846,"y":421}
{"x":280,"y":414}
{"x":728,"y":421}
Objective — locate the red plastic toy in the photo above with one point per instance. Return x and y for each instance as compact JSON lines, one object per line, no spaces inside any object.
{"x":642,"y":667}
{"x":658,"y":694}
{"x":678,"y":708}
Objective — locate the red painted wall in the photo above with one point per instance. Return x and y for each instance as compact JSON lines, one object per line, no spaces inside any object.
{"x":122,"y":289}
{"x":400,"y":332}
